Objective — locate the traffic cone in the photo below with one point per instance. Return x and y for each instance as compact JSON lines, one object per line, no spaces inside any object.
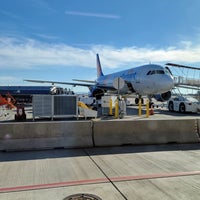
{"x":151,"y":111}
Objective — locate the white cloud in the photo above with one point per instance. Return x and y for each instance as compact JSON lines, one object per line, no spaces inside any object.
{"x":87,"y":14}
{"x":29,"y":53}
{"x":46,"y":36}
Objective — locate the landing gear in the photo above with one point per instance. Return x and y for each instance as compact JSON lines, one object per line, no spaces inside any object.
{"x":151,"y":104}
{"x":137,"y":100}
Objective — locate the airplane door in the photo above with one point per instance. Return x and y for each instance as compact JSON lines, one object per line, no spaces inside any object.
{"x":138,"y":83}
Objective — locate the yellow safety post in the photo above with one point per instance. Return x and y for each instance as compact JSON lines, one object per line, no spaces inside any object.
{"x":110,"y":107}
{"x":116,"y":109}
{"x":140,"y":107}
{"x":147,"y":108}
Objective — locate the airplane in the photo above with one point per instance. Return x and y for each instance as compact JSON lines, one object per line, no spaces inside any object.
{"x":151,"y":80}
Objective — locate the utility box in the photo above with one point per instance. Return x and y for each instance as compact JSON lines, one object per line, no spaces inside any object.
{"x":105,"y":104}
{"x":42,"y":106}
{"x":55,"y":106}
{"x":65,"y":105}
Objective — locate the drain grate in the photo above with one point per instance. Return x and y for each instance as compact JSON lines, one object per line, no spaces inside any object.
{"x":82,"y":197}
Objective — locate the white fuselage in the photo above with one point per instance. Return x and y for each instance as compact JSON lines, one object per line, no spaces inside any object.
{"x":145,"y":80}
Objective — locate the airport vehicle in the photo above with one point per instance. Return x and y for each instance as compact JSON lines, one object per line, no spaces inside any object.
{"x":89,"y":101}
{"x":8,"y":101}
{"x":20,"y":114}
{"x":184,"y":104}
{"x":151,"y":80}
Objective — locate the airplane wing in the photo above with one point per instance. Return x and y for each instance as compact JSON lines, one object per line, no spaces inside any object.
{"x":86,"y":81}
{"x":58,"y":82}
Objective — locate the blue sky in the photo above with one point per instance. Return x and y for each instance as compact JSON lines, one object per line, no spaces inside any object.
{"x":58,"y":39}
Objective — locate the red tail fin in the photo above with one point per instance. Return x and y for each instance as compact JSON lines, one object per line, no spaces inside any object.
{"x":99,"y":69}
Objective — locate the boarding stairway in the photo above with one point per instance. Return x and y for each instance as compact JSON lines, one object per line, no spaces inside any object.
{"x":184,"y":82}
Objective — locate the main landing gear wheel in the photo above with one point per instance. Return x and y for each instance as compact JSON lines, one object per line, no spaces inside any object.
{"x":137,"y":101}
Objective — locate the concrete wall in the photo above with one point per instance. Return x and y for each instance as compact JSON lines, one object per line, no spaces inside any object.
{"x":112,"y":133}
{"x":80,"y":134}
{"x":40,"y":135}
{"x":198,"y":126}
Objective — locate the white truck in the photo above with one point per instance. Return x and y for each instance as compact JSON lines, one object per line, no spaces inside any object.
{"x":184,"y":104}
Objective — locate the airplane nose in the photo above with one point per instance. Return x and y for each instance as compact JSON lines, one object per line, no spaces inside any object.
{"x":169,"y":82}
{"x":166,"y":83}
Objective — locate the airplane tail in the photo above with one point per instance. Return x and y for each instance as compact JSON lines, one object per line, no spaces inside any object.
{"x":99,"y":69}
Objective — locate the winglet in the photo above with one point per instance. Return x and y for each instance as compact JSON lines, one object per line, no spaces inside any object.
{"x":99,"y":70}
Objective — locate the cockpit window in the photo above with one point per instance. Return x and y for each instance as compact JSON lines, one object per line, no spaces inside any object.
{"x":160,"y":71}
{"x":167,"y":72}
{"x":149,"y":72}
{"x":155,"y":72}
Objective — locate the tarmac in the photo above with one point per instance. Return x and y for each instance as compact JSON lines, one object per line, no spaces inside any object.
{"x":160,"y":112}
{"x":150,"y":172}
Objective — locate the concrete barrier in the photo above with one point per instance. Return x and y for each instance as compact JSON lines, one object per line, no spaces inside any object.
{"x":114,"y":133}
{"x":41,"y":135}
{"x":81,"y":134}
{"x":198,"y":126}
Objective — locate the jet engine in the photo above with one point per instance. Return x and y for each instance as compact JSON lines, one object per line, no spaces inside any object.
{"x":97,"y":92}
{"x":163,"y":97}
